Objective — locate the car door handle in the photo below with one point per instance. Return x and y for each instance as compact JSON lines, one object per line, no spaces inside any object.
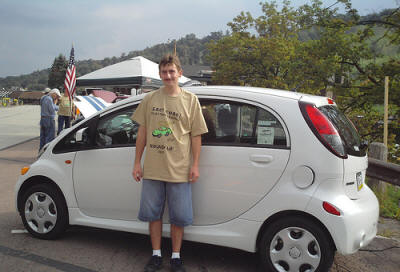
{"x":261,"y":158}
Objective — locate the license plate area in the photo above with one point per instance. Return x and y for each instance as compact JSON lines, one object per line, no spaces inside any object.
{"x":359,"y":179}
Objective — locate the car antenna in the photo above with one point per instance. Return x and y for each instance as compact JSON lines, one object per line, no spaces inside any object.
{"x":298,"y":85}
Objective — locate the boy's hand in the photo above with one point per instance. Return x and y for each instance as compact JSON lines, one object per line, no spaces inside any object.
{"x":194,"y":174}
{"x":137,"y":172}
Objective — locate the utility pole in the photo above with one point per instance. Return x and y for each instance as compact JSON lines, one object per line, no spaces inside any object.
{"x":174,"y":47}
{"x":385,"y":117}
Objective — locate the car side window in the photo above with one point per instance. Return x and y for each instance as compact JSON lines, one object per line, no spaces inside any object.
{"x":233,"y":123}
{"x":78,"y":139}
{"x":116,"y":129}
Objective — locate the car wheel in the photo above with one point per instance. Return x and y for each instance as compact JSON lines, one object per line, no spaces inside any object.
{"x":44,"y":211}
{"x":296,"y":244}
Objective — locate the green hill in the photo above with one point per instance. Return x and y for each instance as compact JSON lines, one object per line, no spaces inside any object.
{"x":191,"y":50}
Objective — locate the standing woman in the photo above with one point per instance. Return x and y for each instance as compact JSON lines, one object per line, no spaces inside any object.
{"x":65,"y":112}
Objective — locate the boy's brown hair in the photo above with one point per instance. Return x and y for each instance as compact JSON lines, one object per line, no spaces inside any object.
{"x":168,"y":60}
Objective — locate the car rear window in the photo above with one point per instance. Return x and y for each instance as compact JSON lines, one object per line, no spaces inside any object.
{"x":350,"y":137}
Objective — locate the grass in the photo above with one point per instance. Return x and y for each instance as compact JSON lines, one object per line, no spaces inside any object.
{"x":389,"y":202}
{"x":387,"y":233}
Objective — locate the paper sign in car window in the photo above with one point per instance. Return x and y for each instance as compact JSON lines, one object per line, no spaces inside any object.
{"x":265,"y":133}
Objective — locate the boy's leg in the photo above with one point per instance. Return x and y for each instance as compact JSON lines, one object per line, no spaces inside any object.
{"x":155,"y":229}
{"x":179,"y":196}
{"x":151,"y":210}
{"x":152,"y":203}
{"x":176,"y":237}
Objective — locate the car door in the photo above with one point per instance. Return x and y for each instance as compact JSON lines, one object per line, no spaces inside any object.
{"x":103,"y":182}
{"x":243,"y":156}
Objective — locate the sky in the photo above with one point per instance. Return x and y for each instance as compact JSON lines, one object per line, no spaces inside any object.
{"x":34,"y":32}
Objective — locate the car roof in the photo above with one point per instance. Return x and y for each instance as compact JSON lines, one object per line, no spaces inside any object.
{"x":242,"y":89}
{"x":235,"y":91}
{"x":230,"y":90}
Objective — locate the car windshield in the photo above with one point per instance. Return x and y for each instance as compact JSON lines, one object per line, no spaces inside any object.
{"x":346,"y":129}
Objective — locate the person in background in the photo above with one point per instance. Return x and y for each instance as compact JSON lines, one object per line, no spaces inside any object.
{"x":65,"y":112}
{"x":48,"y":108}
{"x":171,"y":123}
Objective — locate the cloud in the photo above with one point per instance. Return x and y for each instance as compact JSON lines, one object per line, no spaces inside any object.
{"x":33,"y":33}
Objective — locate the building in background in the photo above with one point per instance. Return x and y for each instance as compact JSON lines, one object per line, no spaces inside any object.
{"x":199,"y":73}
{"x":130,"y":77}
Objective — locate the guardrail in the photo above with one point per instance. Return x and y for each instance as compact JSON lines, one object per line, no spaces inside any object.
{"x":385,"y":171}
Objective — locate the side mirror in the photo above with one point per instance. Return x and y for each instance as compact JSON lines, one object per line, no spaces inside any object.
{"x":80,"y":135}
{"x":364,"y":145}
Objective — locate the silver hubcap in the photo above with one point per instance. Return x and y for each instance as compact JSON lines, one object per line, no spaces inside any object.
{"x":40,"y":212}
{"x":295,"y":249}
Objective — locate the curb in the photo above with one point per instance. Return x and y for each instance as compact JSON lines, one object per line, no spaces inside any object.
{"x":30,"y":139}
{"x":388,"y":238}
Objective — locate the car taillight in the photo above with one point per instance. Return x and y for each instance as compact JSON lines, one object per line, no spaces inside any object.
{"x":330,"y":208}
{"x":323,"y":129}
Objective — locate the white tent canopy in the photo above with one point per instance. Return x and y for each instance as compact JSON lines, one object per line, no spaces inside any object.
{"x":137,"y":71}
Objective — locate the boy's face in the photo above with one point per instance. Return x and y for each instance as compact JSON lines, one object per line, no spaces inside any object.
{"x":170,"y":75}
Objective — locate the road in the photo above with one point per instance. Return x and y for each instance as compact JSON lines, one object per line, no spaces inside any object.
{"x":18,"y":124}
{"x":87,"y":250}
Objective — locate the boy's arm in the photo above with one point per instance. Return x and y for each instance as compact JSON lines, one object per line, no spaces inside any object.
{"x":137,"y":172}
{"x":196,"y":148}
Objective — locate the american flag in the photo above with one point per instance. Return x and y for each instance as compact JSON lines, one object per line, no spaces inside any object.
{"x":70,"y":76}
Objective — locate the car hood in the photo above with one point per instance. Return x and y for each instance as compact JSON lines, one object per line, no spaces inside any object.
{"x":89,"y":105}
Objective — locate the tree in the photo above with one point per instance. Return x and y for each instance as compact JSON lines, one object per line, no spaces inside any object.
{"x":57,"y":72}
{"x":267,"y":51}
{"x":273,"y":51}
{"x":259,"y":52}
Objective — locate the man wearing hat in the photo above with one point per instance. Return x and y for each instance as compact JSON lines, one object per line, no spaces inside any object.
{"x":48,"y":108}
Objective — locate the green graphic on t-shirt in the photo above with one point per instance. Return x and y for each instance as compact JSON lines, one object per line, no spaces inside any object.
{"x":161,"y":131}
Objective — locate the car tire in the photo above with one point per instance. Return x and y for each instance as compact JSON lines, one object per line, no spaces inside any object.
{"x":44,"y":211}
{"x":296,"y":244}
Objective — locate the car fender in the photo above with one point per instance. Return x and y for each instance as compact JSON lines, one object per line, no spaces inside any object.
{"x":61,"y":176}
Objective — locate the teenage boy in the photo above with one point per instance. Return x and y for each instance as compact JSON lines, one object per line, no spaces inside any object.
{"x":171,"y":123}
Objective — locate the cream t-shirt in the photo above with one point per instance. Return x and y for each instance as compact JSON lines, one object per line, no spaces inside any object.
{"x":64,"y":106}
{"x":170,"y":123}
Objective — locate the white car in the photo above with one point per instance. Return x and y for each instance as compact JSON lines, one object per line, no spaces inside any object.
{"x":281,"y":173}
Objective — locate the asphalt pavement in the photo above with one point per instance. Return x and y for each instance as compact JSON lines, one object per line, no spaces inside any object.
{"x":88,"y":250}
{"x":18,"y":124}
